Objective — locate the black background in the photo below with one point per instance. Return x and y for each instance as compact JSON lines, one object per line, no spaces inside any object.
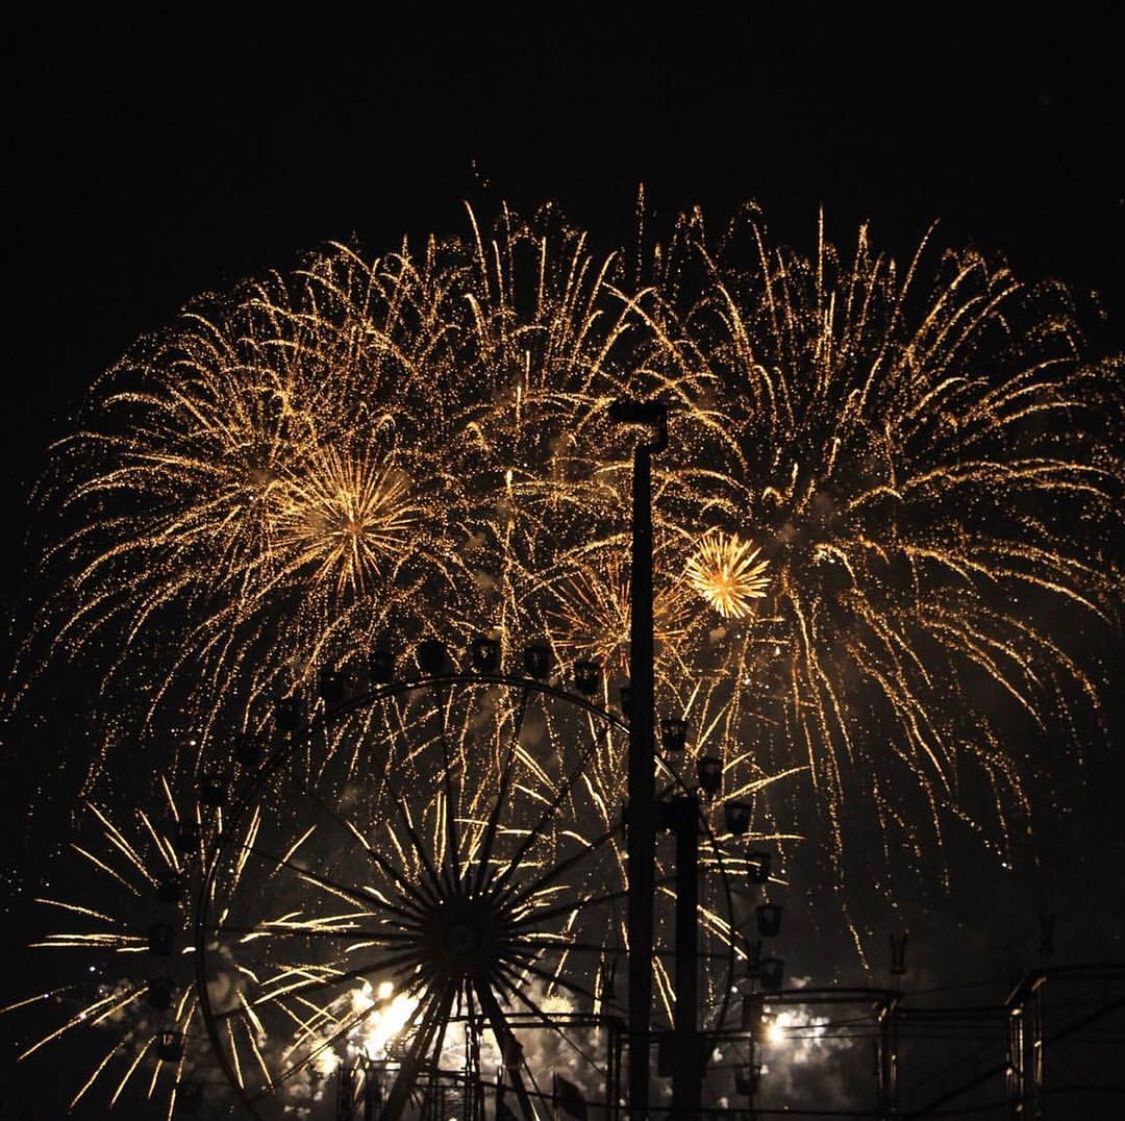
{"x":151,"y":157}
{"x":155,"y":157}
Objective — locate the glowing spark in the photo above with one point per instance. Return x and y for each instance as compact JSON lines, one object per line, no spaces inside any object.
{"x":361,"y":448}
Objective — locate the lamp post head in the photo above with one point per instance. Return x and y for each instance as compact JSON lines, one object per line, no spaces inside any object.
{"x":651,"y":414}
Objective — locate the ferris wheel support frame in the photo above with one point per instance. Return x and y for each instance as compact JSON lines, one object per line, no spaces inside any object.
{"x":254,"y":781}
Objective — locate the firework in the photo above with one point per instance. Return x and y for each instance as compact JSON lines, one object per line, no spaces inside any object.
{"x":881,"y":517}
{"x":323,"y":459}
{"x":124,"y":935}
{"x":726,"y":572}
{"x":466,"y":850}
{"x":587,"y":611}
{"x":461,"y":849}
{"x":926,"y":463}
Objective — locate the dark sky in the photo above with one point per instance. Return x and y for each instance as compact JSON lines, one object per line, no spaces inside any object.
{"x":154,"y":156}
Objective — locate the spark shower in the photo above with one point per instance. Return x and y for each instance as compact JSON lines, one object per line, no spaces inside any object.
{"x":886,"y":486}
{"x":885,"y":519}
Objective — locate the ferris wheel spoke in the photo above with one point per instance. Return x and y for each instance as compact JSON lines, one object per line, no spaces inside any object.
{"x":501,"y":797}
{"x":577,"y":947}
{"x":415,"y":841}
{"x":552,"y":807}
{"x":512,"y":985}
{"x":536,"y":917}
{"x":409,"y":889}
{"x":506,"y":1038}
{"x":515,"y":895}
{"x":452,"y":862}
{"x":527,"y":964}
{"x":570,"y":908}
{"x":435,"y":1015}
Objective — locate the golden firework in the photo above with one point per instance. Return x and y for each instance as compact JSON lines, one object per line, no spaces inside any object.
{"x":315,"y":889}
{"x":923,"y":454}
{"x":726,"y":572}
{"x":418,"y":443}
{"x":346,"y":521}
{"x":588,"y":610}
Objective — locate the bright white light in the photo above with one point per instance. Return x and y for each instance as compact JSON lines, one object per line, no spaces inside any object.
{"x":387,"y":1016}
{"x":326,"y":1062}
{"x":808,"y":1034}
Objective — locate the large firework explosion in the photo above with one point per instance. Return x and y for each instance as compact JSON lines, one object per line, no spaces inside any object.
{"x":350,"y":452}
{"x":885,"y":516}
{"x":883,"y":488}
{"x":928,"y":465}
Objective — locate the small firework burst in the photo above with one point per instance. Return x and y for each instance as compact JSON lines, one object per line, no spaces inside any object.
{"x":726,"y":572}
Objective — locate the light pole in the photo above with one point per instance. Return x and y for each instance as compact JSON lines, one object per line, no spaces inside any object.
{"x":641,"y":841}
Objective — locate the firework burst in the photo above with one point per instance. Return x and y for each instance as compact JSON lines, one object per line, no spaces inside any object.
{"x":928,"y":465}
{"x":124,"y":935}
{"x":884,"y":528}
{"x":883,"y":489}
{"x":346,"y":522}
{"x":334,"y":888}
{"x":726,"y":572}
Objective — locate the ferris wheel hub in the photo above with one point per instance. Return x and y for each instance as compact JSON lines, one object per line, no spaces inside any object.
{"x":464,"y":936}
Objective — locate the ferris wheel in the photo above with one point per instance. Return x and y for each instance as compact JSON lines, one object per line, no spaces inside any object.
{"x":422,"y":893}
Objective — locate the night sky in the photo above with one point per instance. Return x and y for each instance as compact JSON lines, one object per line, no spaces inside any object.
{"x":154,"y":157}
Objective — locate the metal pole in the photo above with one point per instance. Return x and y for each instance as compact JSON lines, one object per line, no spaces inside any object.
{"x":642,"y":790}
{"x":887,"y":1058}
{"x":686,"y":1075}
{"x":642,"y":753}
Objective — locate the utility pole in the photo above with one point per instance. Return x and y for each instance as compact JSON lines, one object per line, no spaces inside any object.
{"x":687,"y":1070}
{"x":641,"y":840}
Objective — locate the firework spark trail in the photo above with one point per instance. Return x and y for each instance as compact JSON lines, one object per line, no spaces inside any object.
{"x":883,"y":489}
{"x":930,"y":476}
{"x":273,"y":462}
{"x":135,"y":859}
{"x":380,"y":834}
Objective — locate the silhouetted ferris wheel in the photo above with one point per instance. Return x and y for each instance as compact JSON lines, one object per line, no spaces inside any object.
{"x":435,"y":900}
